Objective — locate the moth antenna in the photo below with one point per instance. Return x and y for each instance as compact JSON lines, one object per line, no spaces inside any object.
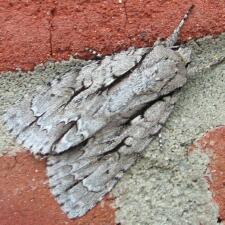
{"x":172,"y":39}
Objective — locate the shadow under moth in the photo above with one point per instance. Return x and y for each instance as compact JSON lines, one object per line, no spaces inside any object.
{"x":93,"y":123}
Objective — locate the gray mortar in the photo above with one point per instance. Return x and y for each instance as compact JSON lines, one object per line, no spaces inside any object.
{"x":167,"y":186}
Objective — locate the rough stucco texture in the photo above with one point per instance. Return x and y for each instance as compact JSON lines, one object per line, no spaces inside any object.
{"x":35,"y":31}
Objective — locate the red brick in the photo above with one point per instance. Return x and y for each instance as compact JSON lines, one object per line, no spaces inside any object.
{"x":35,"y":31}
{"x":213,"y":142}
{"x":25,"y":198}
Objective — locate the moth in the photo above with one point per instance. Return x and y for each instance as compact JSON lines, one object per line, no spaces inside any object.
{"x":94,"y":122}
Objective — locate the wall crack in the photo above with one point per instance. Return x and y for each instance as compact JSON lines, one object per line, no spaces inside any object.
{"x":52,"y":13}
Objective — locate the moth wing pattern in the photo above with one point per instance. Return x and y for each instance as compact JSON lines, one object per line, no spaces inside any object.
{"x":143,"y":100}
{"x":52,"y":121}
{"x":76,"y":107}
{"x":93,"y":123}
{"x":79,"y":178}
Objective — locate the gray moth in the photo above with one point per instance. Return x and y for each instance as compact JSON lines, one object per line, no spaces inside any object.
{"x":93,"y":123}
